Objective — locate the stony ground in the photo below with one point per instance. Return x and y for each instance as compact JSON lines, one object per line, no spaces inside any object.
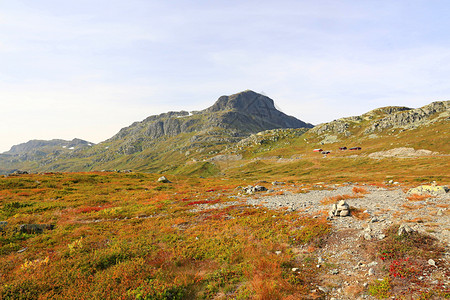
{"x":350,"y":266}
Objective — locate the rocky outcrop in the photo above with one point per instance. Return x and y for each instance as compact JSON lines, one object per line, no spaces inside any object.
{"x":410,"y":118}
{"x":384,"y":118}
{"x":338,"y":127}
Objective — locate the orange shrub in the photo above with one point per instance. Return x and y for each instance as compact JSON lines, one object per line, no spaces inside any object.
{"x":417,"y":197}
{"x":334,"y":199}
{"x":359,"y":190}
{"x":359,"y":213}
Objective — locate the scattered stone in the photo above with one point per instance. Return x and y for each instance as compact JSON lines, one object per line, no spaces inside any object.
{"x":19,"y":172}
{"x":253,"y":189}
{"x":295,"y":269}
{"x":429,"y":189}
{"x":320,"y":260}
{"x":163,"y":179}
{"x":367,"y":236}
{"x":323,"y":289}
{"x":22,"y":250}
{"x":381,"y":236}
{"x":431,"y":262}
{"x":334,"y":272}
{"x":373,"y":220}
{"x":278,"y":183}
{"x":278,"y":252}
{"x":404,"y":229}
{"x":371,"y":272}
{"x":374,"y":263}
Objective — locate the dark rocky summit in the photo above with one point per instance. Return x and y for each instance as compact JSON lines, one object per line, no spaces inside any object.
{"x":259,"y":109}
{"x":244,"y":113}
{"x":230,"y":119}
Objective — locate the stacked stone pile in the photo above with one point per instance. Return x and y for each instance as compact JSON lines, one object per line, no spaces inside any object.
{"x":339,"y":209}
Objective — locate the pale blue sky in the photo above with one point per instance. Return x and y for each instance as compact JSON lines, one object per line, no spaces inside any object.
{"x":86,"y":68}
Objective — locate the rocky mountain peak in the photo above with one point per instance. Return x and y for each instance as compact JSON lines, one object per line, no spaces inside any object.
{"x":246,"y":102}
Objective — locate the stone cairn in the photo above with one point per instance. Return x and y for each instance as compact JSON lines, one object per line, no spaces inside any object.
{"x":339,"y":209}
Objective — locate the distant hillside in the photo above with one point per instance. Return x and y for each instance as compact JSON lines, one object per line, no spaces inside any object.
{"x":159,"y":142}
{"x":380,"y":129}
{"x":380,"y":120}
{"x":413,"y":144}
{"x":44,"y":147}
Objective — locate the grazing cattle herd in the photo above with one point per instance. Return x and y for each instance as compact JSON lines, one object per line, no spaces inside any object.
{"x":325,"y":152}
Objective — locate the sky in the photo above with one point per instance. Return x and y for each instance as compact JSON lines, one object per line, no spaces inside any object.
{"x":86,"y":68}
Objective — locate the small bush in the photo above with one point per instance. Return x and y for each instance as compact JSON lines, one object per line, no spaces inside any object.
{"x":417,"y":197}
{"x":381,"y":289}
{"x":359,"y":190}
{"x":416,"y":244}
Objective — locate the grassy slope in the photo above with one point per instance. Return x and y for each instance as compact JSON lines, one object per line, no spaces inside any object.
{"x":344,"y":166}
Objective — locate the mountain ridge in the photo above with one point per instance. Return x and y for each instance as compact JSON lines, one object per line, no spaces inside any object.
{"x":228,"y":120}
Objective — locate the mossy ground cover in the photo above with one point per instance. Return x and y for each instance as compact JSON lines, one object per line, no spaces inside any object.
{"x":126,"y":236}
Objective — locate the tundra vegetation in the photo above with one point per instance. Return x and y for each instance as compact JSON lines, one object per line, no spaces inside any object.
{"x":127,"y":236}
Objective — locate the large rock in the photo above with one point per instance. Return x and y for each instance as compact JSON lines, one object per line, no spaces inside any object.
{"x":404,"y":230}
{"x":3,"y":225}
{"x":253,"y":189}
{"x":429,"y":189}
{"x":163,"y":179}
{"x":34,"y":228}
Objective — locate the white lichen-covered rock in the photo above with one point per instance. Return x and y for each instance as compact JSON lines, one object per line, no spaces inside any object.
{"x":163,"y":179}
{"x":429,"y":189}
